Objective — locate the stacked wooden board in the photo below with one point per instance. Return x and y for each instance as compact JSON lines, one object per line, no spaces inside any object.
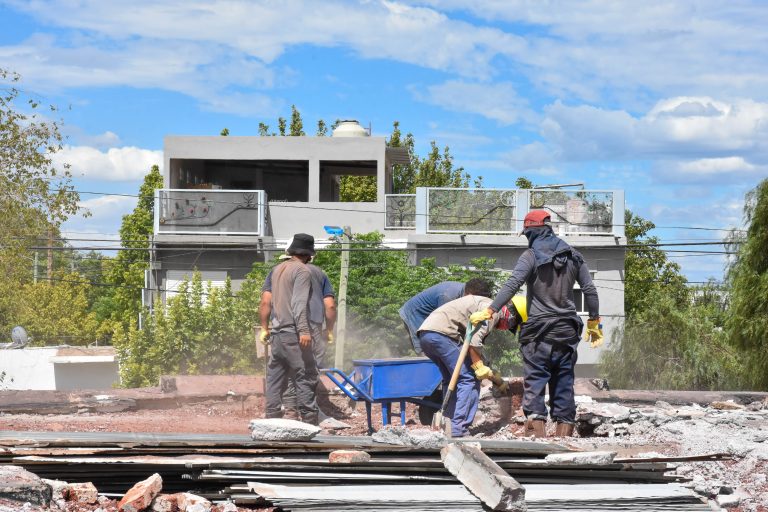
{"x":298,"y":476}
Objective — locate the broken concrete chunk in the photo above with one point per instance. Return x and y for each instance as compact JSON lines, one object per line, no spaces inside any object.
{"x":188,"y":500}
{"x":333,"y":424}
{"x":401,"y":436}
{"x":140,"y":496}
{"x":197,"y":507}
{"x":483,"y":477}
{"x":729,"y":405}
{"x":18,"y":484}
{"x":348,"y":457}
{"x":166,"y":503}
{"x":229,"y":507}
{"x":728,"y":500}
{"x":281,"y":429}
{"x":580,"y":458}
{"x":82,"y":493}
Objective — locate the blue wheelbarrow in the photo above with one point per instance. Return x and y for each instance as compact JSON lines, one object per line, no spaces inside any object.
{"x":385,"y":381}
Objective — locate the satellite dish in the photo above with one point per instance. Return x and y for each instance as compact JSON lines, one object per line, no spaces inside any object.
{"x":19,"y":336}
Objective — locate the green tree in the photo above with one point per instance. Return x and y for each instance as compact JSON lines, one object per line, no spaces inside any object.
{"x":747,"y":276}
{"x":126,"y":273}
{"x":297,"y":125}
{"x":224,"y":132}
{"x":647,"y":268}
{"x":523,"y":182}
{"x":202,"y":330}
{"x":281,"y":125}
{"x":35,"y":195}
{"x":322,"y":129}
{"x":57,"y":311}
{"x":264,"y":130}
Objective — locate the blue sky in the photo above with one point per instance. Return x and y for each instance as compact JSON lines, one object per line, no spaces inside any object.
{"x":667,"y":100}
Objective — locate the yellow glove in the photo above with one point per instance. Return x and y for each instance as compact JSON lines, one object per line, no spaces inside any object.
{"x":264,"y":336}
{"x":501,"y":385}
{"x":482,"y":372}
{"x":330,"y":337}
{"x":480,"y":316}
{"x":594,"y":333}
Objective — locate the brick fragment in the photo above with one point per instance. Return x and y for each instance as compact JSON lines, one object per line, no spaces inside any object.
{"x":348,"y":457}
{"x":140,"y":496}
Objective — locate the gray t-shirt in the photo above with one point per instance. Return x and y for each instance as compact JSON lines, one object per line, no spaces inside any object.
{"x":291,"y":289}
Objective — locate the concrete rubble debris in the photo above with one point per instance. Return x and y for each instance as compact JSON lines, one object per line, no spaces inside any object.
{"x":728,"y":405}
{"x":401,"y":436}
{"x":82,"y":493}
{"x":165,"y":503}
{"x":580,"y":458}
{"x":348,"y":457}
{"x":188,"y":500}
{"x":140,"y":496}
{"x":728,"y":500}
{"x":18,"y":484}
{"x":334,"y":424}
{"x":483,"y":477}
{"x":281,"y":429}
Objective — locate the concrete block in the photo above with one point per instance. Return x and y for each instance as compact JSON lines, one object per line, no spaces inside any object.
{"x":580,"y":458}
{"x":82,"y":493}
{"x":334,"y":424}
{"x":18,"y":484}
{"x":401,"y":436}
{"x":190,"y":502}
{"x":728,"y":500}
{"x":140,"y":496}
{"x":348,"y":457}
{"x":483,"y":477}
{"x":166,"y":503}
{"x":281,"y":429}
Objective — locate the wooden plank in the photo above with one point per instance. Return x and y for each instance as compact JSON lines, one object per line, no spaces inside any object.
{"x":483,"y":477}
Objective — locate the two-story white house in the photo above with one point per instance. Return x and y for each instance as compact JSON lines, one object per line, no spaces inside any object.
{"x":231,"y":201}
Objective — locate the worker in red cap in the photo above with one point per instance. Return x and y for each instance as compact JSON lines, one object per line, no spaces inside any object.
{"x":549,"y":338}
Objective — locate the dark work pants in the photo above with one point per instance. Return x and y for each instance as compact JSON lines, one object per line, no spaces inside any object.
{"x":319,"y":345}
{"x":462,"y":405}
{"x":289,"y":361}
{"x":549,"y":364}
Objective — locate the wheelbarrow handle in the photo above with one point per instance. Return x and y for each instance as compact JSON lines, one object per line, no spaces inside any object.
{"x":331,"y":372}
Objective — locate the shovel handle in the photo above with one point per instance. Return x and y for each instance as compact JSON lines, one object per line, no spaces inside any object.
{"x":459,"y":362}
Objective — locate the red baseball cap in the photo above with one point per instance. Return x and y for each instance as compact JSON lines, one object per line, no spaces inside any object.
{"x":536,"y":218}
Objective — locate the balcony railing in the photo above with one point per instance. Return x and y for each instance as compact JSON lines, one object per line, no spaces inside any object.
{"x":216,"y":212}
{"x":401,"y":211}
{"x":501,"y":211}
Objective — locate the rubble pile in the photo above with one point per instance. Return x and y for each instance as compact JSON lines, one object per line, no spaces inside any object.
{"x":21,"y":490}
{"x":722,"y":427}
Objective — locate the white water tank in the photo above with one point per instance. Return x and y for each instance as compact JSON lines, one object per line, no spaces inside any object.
{"x":349,"y":128}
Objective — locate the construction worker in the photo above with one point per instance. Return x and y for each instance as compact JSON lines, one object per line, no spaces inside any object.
{"x":292,"y":356}
{"x":418,"y":308}
{"x":549,"y":338}
{"x":322,"y":318}
{"x":441,"y":336}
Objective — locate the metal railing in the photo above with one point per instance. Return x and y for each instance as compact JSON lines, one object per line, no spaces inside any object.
{"x":453,"y":210}
{"x":400,"y":211}
{"x":210,"y":211}
{"x":501,"y":211}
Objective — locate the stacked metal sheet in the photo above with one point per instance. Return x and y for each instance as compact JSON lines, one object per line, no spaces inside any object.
{"x":298,"y":476}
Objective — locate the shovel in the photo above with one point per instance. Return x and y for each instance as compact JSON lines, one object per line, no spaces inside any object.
{"x":438,"y":421}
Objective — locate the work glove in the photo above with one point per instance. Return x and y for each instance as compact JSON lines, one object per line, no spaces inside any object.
{"x":264,"y":337}
{"x":329,"y":337}
{"x":480,"y":316}
{"x":594,"y":333}
{"x":482,"y":372}
{"x":501,"y":386}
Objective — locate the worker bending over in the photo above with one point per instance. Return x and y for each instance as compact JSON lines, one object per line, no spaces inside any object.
{"x":441,"y":336}
{"x":420,"y":306}
{"x":549,"y":338}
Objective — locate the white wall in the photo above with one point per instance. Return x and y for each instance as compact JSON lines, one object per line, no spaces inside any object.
{"x":55,"y":368}
{"x":28,"y":368}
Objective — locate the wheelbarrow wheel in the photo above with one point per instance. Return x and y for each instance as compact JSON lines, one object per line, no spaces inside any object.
{"x":426,"y":412}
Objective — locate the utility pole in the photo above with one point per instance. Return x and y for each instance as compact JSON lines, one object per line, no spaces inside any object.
{"x":50,"y":254}
{"x":341,"y":320}
{"x":34,"y":272}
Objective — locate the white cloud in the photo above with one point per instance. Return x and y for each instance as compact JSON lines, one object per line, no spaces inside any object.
{"x":497,"y":101}
{"x":710,"y":166}
{"x":127,"y":163}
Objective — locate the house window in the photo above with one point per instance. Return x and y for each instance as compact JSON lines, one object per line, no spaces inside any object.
{"x":335,"y":174}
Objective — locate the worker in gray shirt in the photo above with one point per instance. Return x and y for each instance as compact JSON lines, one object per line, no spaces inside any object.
{"x":549,"y":339}
{"x":322,"y":318}
{"x":292,"y":356}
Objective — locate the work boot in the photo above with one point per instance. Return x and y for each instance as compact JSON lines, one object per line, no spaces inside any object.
{"x":536,"y":428}
{"x":291,"y":414}
{"x":563,"y":429}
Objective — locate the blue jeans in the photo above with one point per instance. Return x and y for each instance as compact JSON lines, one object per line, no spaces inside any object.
{"x":549,"y":364}
{"x":462,"y":405}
